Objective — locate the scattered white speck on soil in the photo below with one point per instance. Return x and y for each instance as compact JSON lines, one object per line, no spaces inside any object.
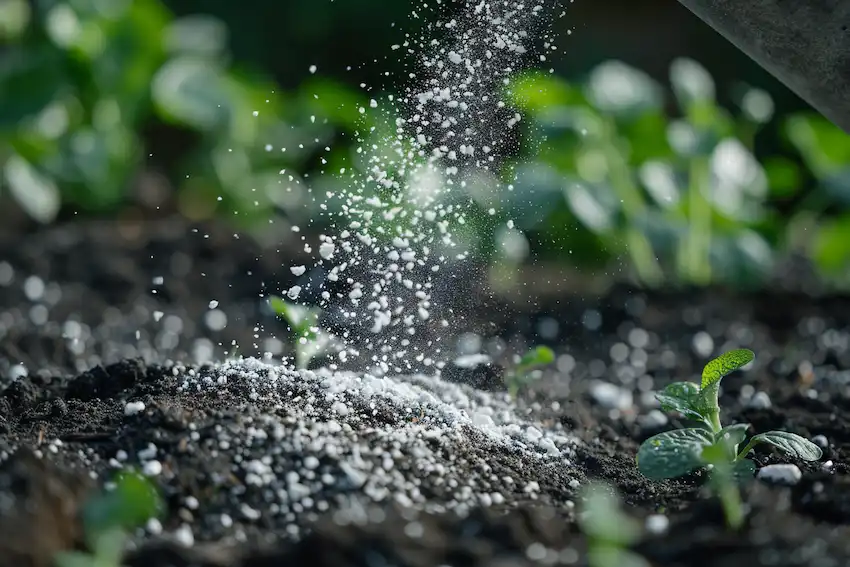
{"x":786,"y":474}
{"x":759,"y":401}
{"x":152,"y":468}
{"x":342,"y":438}
{"x":611,"y":396}
{"x":133,"y":408}
{"x":657,"y":524}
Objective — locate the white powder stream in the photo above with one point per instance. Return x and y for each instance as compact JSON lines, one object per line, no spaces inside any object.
{"x":395,"y":221}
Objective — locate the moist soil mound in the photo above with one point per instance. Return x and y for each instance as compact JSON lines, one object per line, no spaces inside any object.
{"x":108,"y":350}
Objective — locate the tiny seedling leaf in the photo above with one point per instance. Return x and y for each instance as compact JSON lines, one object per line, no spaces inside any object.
{"x":603,"y":519}
{"x":682,"y":397}
{"x":134,"y":500}
{"x":673,"y":453}
{"x":733,"y":434}
{"x":538,"y":356}
{"x":790,"y":443}
{"x":713,"y":372}
{"x":724,"y":365}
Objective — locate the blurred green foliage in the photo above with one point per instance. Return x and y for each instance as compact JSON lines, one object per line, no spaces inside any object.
{"x":681,"y":192}
{"x":81,"y":81}
{"x":617,"y":169}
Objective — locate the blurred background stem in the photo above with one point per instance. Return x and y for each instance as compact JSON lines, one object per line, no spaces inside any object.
{"x":695,"y":248}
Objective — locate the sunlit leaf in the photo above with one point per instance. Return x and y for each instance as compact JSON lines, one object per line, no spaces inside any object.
{"x":724,"y":365}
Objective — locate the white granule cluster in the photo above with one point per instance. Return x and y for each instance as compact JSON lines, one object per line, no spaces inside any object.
{"x":396,"y":216}
{"x":316,"y":441}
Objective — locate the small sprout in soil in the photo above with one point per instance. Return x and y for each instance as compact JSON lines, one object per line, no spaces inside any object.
{"x":679,"y":452}
{"x":521,"y":374}
{"x":310,"y":339}
{"x":108,"y":517}
{"x":609,"y":531}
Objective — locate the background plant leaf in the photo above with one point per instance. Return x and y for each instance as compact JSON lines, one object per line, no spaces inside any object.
{"x":538,"y":356}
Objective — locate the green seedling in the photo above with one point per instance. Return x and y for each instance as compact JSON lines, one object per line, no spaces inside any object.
{"x":310,"y":339}
{"x":108,"y":517}
{"x":711,"y":445}
{"x":521,"y":374}
{"x":609,"y":530}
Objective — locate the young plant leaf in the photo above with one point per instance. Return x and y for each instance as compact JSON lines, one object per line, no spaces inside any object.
{"x":538,"y":356}
{"x":733,"y":434}
{"x":724,"y":365}
{"x":673,"y":453}
{"x":743,"y":470}
{"x":790,"y":443}
{"x":682,"y":397}
{"x":713,"y":372}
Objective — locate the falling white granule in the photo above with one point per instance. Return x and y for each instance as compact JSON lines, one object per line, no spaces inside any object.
{"x":326,"y":250}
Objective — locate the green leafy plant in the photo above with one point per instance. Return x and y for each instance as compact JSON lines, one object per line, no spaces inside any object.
{"x":711,"y":445}
{"x":522,"y":373}
{"x":681,"y":451}
{"x":310,"y":340}
{"x":108,"y":516}
{"x":609,"y":531}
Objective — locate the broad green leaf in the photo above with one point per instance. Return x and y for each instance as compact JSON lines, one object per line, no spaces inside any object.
{"x":725,"y":364}
{"x":733,"y":434}
{"x":790,"y":443}
{"x":682,"y":397}
{"x":673,"y":453}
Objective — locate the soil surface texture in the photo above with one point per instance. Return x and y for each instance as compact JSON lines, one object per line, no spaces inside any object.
{"x":112,"y":349}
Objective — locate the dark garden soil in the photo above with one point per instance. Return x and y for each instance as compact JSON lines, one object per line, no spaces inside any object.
{"x":86,"y":326}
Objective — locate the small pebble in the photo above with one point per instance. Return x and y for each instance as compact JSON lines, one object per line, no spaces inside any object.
{"x":611,"y":397}
{"x":821,"y":441}
{"x":781,"y":474}
{"x":653,"y":420}
{"x":657,"y":524}
{"x":152,"y":468}
{"x":133,"y":408}
{"x":759,"y":401}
